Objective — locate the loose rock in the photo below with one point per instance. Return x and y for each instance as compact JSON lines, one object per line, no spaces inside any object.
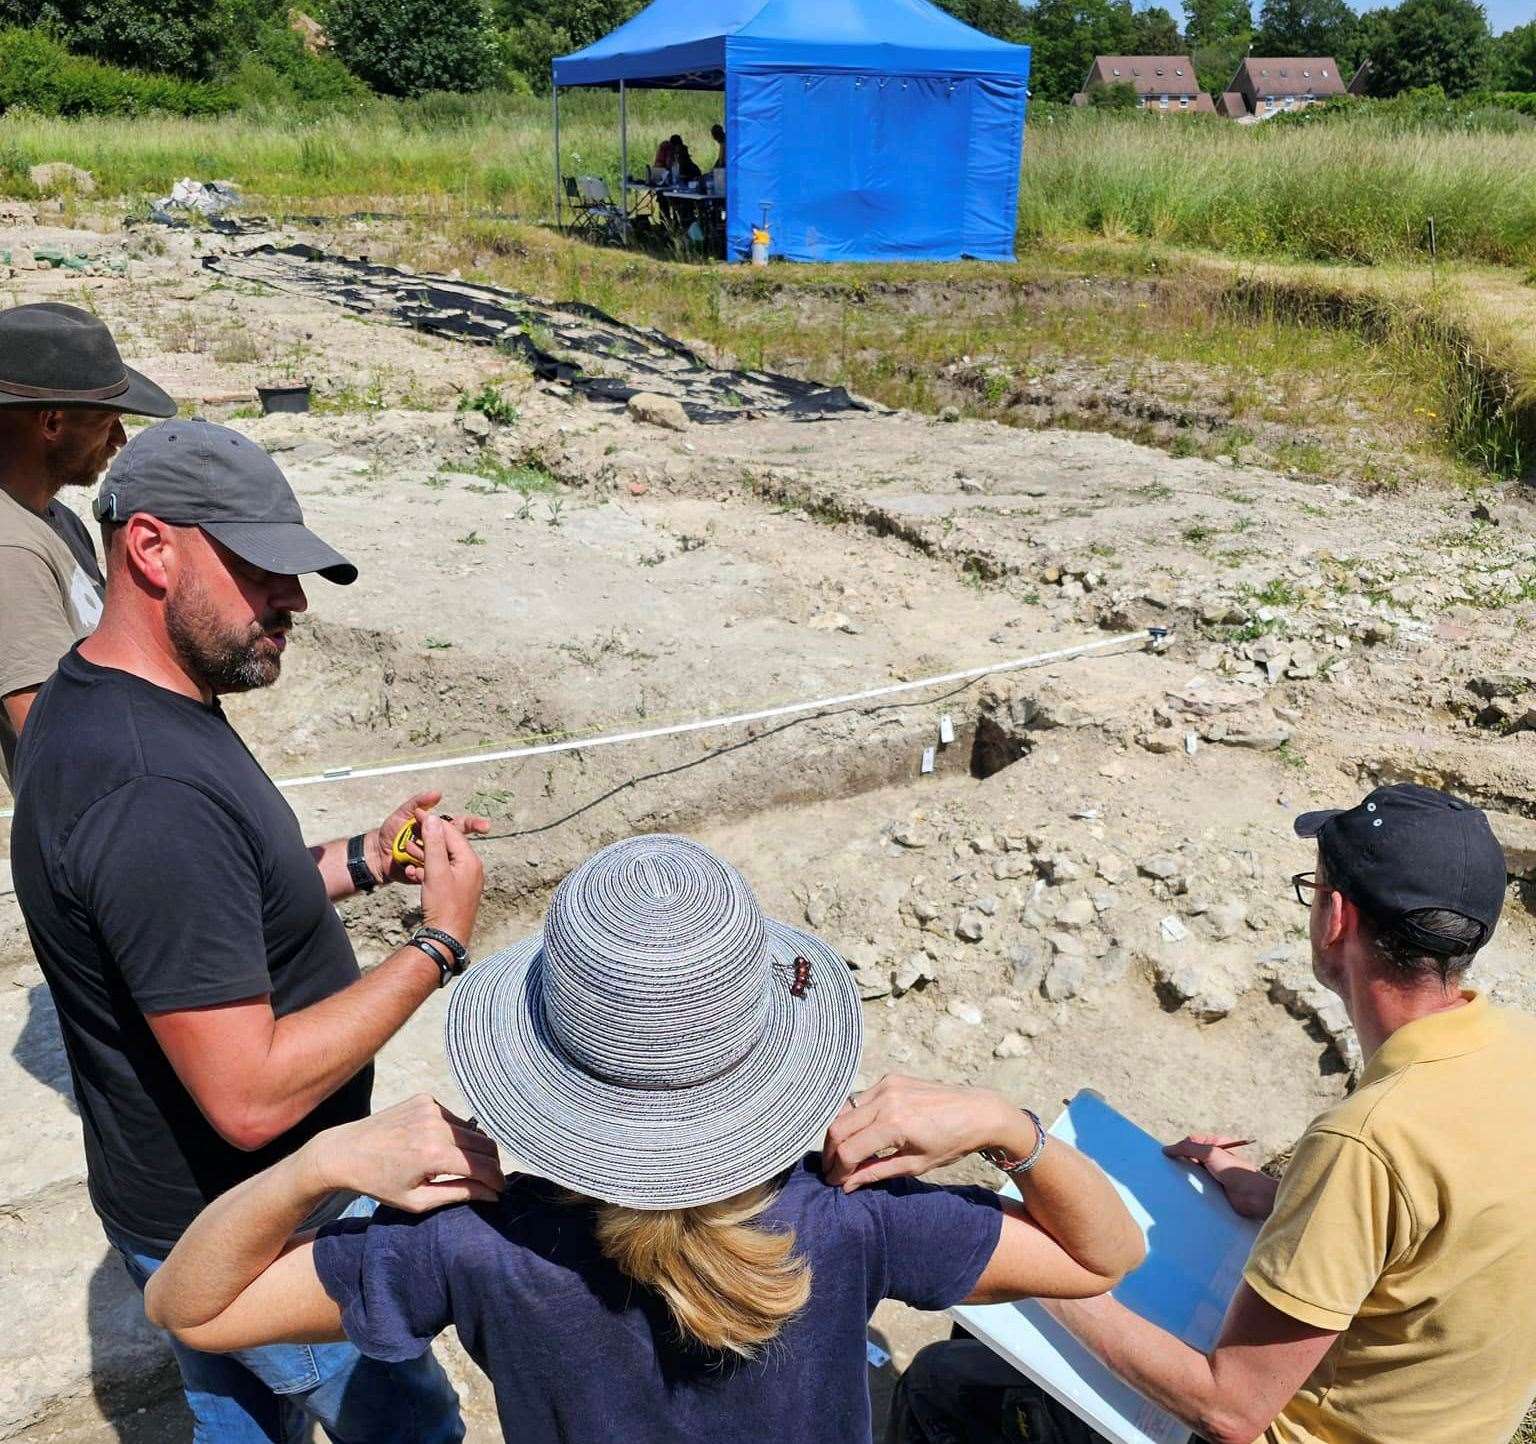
{"x":1011,"y":1045}
{"x":59,"y":175}
{"x":658,"y":411}
{"x":971,"y":928}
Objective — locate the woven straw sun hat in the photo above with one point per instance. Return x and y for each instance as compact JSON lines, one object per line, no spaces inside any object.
{"x":650,"y":1047}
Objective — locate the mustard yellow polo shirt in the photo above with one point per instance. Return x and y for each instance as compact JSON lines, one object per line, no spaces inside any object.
{"x":1407,"y":1221}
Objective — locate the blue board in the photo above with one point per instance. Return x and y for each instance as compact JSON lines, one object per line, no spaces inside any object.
{"x":1196,"y":1249}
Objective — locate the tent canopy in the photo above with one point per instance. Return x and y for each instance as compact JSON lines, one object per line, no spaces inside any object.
{"x":864,"y":129}
{"x":682,"y":44}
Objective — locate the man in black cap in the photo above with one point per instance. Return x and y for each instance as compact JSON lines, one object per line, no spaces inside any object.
{"x":63,"y":391}
{"x":213,"y":1012}
{"x":1388,"y":1296}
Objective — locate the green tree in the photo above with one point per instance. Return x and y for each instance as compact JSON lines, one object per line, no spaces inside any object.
{"x":1370,"y":27}
{"x":176,"y":37}
{"x":1433,"y":42}
{"x":1215,"y":65}
{"x":1307,"y":27}
{"x":1119,"y":96}
{"x":1002,"y":18}
{"x":1514,"y":58}
{"x":408,"y":47}
{"x":534,"y":32}
{"x":1155,"y":32}
{"x":1065,"y":35}
{"x":1217,"y":22}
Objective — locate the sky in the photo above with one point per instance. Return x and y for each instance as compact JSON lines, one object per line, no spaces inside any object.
{"x":1502,"y":14}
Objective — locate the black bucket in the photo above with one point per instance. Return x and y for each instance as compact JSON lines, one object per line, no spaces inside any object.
{"x":283,"y":398}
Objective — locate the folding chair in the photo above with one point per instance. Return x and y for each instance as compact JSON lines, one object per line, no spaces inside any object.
{"x":581,"y":223}
{"x":605,"y":222}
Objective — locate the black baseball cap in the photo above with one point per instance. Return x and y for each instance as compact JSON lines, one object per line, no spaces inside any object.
{"x":1407,"y":848}
{"x":193,"y":473}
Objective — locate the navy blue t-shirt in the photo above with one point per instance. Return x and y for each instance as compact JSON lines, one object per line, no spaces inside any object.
{"x":578,"y":1353}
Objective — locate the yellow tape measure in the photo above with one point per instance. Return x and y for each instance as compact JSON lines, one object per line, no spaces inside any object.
{"x":407,"y":834}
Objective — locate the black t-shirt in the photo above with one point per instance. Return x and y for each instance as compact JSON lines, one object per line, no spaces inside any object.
{"x":71,"y":531}
{"x":158,"y":868}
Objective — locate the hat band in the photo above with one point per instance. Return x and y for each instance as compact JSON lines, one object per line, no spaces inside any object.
{"x":56,"y":393}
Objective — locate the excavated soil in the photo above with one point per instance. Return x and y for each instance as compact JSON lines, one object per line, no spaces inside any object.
{"x":1088,"y":889}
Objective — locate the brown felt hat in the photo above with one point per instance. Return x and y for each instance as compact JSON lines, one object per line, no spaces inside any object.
{"x":57,"y":357}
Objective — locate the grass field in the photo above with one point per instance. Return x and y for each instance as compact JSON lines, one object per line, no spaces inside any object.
{"x":1322,"y":299}
{"x":1356,"y":190}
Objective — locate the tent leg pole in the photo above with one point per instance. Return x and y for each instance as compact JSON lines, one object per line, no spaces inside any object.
{"x":554,"y":102}
{"x":624,"y":159}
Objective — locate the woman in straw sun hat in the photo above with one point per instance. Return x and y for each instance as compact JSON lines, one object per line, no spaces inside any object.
{"x":672,"y":1261}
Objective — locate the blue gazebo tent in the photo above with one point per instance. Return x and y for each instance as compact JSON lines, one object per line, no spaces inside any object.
{"x":873,"y":130}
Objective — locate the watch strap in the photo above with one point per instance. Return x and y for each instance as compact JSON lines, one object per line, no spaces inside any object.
{"x":357,"y":864}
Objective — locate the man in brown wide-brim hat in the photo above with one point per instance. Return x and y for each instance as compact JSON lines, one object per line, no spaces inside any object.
{"x":63,"y":390}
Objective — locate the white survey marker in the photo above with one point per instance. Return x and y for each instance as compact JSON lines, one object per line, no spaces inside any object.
{"x":1196,"y":1249}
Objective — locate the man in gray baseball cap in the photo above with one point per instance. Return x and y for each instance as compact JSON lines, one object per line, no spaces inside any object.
{"x":214,"y":1014}
{"x":192,"y":473}
{"x":63,"y":393}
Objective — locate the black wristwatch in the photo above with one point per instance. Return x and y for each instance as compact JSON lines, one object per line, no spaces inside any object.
{"x":450,"y":955}
{"x":357,"y":864}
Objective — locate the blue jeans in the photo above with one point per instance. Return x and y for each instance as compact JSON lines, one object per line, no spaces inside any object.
{"x":270,"y":1395}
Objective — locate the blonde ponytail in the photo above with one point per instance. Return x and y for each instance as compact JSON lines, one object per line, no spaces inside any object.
{"x":729,"y":1283}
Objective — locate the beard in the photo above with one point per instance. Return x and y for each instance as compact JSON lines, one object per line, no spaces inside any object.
{"x":217,"y":656}
{"x":79,"y":461}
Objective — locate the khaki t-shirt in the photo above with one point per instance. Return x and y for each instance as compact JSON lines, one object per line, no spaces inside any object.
{"x":50,"y":597}
{"x":1407,"y":1220}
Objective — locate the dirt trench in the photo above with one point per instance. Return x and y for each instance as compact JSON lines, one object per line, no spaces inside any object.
{"x":1088,"y":889}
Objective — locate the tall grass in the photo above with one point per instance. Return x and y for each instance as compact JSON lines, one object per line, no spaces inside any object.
{"x":493,"y":151}
{"x":1352,"y":190}
{"x":1358,"y":188}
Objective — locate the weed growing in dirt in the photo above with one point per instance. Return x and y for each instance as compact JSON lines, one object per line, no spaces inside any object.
{"x":1274,"y":593}
{"x":606,"y":644}
{"x":184,"y":331}
{"x":470,"y":539}
{"x":526,"y":478}
{"x":488,"y":801}
{"x":1290,"y":757}
{"x":236,"y":347}
{"x":436,"y":644}
{"x":491,"y":404}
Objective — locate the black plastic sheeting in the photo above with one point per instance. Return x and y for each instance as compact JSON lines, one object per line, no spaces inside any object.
{"x":244,"y":225}
{"x":570,"y":342}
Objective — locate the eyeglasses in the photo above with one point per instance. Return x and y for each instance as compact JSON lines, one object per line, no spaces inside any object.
{"x":1306,"y":884}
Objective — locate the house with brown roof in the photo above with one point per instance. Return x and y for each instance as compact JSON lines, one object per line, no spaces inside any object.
{"x":1268,"y":86}
{"x":1165,"y":84}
